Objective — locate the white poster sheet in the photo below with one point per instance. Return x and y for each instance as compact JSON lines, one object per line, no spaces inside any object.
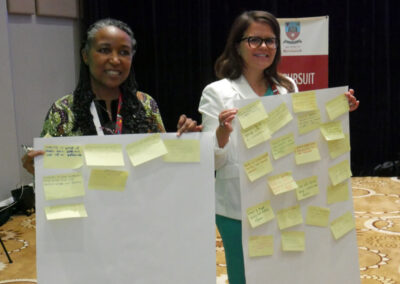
{"x":149,"y":223}
{"x":284,"y":243}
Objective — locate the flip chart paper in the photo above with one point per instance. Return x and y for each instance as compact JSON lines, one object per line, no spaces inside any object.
{"x":304,"y":101}
{"x":182,"y":151}
{"x":308,"y":121}
{"x":260,"y":214}
{"x":258,"y":167}
{"x":146,"y":149}
{"x":251,"y":114}
{"x":104,"y":155}
{"x":289,"y":217}
{"x":108,"y":179}
{"x":282,"y":146}
{"x":279,"y":117}
{"x":307,"y":153}
{"x":63,"y":186}
{"x":307,"y":187}
{"x":317,"y":216}
{"x":65,"y":211}
{"x":62,"y":157}
{"x":256,"y":134}
{"x":337,"y":106}
{"x":261,"y":246}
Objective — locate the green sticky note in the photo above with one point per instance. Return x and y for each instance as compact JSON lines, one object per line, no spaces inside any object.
{"x":279,"y":117}
{"x":108,"y":180}
{"x":289,"y":217}
{"x":339,"y":147}
{"x":317,"y":216}
{"x":304,"y":101}
{"x":146,"y":149}
{"x":256,"y":134}
{"x":261,"y":246}
{"x":260,"y":214}
{"x":306,"y":153}
{"x":258,"y":167}
{"x":104,"y":155}
{"x":337,"y":106}
{"x":282,"y":146}
{"x":307,"y":187}
{"x":182,"y":151}
{"x":332,"y":130}
{"x":251,"y":114}
{"x":342,"y":225}
{"x":340,"y":172}
{"x":65,"y":211}
{"x":337,"y":193}
{"x":293,"y":241}
{"x":63,"y":186}
{"x":308,"y":121}
{"x":281,"y":183}
{"x":62,"y":157}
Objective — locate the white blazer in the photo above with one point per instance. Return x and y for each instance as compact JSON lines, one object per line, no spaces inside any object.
{"x":216,"y":97}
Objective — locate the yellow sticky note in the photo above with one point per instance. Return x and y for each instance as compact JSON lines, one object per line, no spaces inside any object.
{"x":308,"y":121}
{"x":340,"y":172}
{"x":251,"y":114}
{"x":289,"y":217}
{"x":260,"y":214}
{"x":332,"y":130}
{"x":182,"y":151}
{"x":62,"y":157}
{"x":282,"y":146}
{"x":281,"y":183}
{"x":304,"y":101}
{"x":279,"y":117}
{"x":307,"y":187}
{"x":337,"y":107}
{"x":146,"y":149}
{"x":317,"y":216}
{"x":261,"y":245}
{"x":307,"y":153}
{"x":63,"y":186}
{"x":108,"y":180}
{"x":342,"y":225}
{"x":293,"y":241}
{"x":339,"y":147}
{"x":104,"y":155}
{"x":256,"y":134}
{"x":65,"y":211}
{"x":337,"y":193}
{"x":258,"y":167}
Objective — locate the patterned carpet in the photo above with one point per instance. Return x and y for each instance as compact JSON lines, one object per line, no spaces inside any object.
{"x":377,"y":208}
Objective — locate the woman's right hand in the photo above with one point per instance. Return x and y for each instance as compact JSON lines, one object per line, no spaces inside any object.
{"x":225,"y":128}
{"x":27,"y":160}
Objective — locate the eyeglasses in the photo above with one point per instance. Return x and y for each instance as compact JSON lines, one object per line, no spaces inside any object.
{"x":255,"y":41}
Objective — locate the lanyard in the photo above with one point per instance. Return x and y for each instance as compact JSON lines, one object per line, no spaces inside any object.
{"x":275,"y":89}
{"x":96,"y":120}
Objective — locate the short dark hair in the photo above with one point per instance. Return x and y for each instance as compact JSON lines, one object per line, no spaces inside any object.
{"x":230,"y":64}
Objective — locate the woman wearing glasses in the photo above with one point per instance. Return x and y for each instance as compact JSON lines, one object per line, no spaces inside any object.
{"x":247,"y":69}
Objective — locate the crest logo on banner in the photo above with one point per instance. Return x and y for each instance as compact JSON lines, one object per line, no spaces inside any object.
{"x":292,"y":29}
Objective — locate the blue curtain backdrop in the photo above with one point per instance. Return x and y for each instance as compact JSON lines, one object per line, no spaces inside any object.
{"x":179,"y":41}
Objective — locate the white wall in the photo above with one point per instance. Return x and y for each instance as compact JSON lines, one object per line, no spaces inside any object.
{"x":39,"y":59}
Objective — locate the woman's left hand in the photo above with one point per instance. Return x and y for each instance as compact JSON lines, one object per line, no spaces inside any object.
{"x":353,"y":102}
{"x":186,"y":124}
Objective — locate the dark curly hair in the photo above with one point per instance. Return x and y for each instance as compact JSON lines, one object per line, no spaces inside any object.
{"x":230,"y":64}
{"x":132,"y":110}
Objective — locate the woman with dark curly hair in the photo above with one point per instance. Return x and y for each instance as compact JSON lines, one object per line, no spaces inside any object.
{"x":106,"y":100}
